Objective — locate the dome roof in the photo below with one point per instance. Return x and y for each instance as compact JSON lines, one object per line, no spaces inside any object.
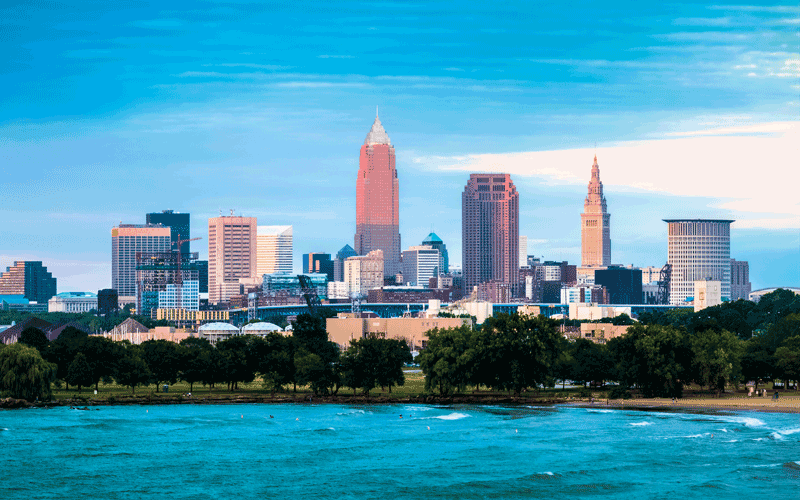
{"x":261,"y":327}
{"x":432,"y":238}
{"x":218,"y":327}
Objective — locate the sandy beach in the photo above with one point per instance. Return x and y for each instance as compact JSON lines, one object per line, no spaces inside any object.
{"x":785,"y":404}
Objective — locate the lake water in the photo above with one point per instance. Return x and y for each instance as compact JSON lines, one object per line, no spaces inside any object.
{"x":331,"y":451}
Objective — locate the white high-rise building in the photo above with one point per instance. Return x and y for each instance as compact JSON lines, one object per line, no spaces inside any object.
{"x":274,"y":250}
{"x":698,"y":249}
{"x":523,"y":251}
{"x":190,"y":296}
{"x":420,"y":264}
{"x":363,"y":273}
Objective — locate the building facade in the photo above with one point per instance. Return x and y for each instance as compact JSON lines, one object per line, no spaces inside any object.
{"x":698,"y":249}
{"x":107,"y":301}
{"x":420,"y":264}
{"x":740,"y":280}
{"x":595,"y":224}
{"x":523,"y":251}
{"x":363,"y":273}
{"x":433,"y":241}
{"x":127,"y":241}
{"x":179,"y":226}
{"x":338,"y":263}
{"x":189,"y":296}
{"x":490,"y":230}
{"x":29,"y":279}
{"x":231,"y":255}
{"x":275,"y":246}
{"x":319,"y":263}
{"x":72,"y":302}
{"x":707,"y":293}
{"x":624,"y":285}
{"x":377,"y":200}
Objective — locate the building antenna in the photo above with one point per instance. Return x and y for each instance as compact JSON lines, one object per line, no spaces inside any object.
{"x":376,"y":111}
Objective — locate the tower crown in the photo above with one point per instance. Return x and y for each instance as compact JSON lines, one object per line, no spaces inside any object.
{"x":595,"y":196}
{"x":377,"y":134}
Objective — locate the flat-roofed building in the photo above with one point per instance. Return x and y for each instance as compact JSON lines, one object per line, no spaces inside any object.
{"x":29,"y":279}
{"x":363,"y":273}
{"x":420,"y":264}
{"x":740,"y":280}
{"x":72,"y":302}
{"x":413,"y":330}
{"x":698,"y":249}
{"x":274,"y":248}
{"x":231,"y":255}
{"x":127,"y":241}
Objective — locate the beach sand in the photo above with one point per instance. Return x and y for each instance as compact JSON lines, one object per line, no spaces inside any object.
{"x":785,"y":404}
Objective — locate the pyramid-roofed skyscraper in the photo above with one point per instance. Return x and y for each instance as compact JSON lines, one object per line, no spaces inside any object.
{"x":377,"y":199}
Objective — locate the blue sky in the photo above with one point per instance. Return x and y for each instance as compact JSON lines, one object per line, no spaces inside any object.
{"x":110,"y":110}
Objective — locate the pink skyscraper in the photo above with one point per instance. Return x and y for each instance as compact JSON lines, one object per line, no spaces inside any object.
{"x":377,"y":220}
{"x":595,"y":224}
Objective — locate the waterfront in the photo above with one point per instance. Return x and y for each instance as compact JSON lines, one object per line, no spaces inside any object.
{"x":334,"y":451}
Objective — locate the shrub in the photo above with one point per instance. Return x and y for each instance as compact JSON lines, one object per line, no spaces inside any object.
{"x":584,"y":392}
{"x":619,"y":392}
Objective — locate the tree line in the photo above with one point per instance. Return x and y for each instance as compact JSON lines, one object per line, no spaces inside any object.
{"x":307,"y":358}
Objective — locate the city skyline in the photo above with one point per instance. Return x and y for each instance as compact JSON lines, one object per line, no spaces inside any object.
{"x":113,"y":113}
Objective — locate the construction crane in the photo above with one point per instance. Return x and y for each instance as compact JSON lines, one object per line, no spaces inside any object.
{"x":179,"y":274}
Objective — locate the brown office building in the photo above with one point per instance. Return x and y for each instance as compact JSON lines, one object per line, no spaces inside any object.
{"x":490,"y":230}
{"x":231,"y":255}
{"x":595,"y":224}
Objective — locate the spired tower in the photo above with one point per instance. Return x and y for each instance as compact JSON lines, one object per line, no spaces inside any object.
{"x":595,"y":224}
{"x":377,"y":199}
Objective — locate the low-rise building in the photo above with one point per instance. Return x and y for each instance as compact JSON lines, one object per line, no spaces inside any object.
{"x":414,"y":330}
{"x":594,"y":312}
{"x":215,"y":332}
{"x":72,"y":302}
{"x":707,"y":293}
{"x":600,"y":333}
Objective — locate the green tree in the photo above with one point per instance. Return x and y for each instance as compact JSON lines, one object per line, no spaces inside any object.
{"x":787,"y":358}
{"x":622,"y":319}
{"x":24,"y":374}
{"x":239,"y":362}
{"x":717,"y":358}
{"x":593,"y":362}
{"x":34,"y":337}
{"x":665,"y":359}
{"x":311,"y":337}
{"x":446,"y":361}
{"x":394,"y":353}
{"x":757,"y":362}
{"x":79,"y":373}
{"x":102,"y":356}
{"x":132,"y":371}
{"x":192,"y":366}
{"x":163,"y":360}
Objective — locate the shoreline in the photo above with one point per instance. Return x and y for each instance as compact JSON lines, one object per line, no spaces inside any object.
{"x":787,"y":404}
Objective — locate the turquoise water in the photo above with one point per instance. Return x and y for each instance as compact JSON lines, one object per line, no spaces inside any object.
{"x":331,"y":451}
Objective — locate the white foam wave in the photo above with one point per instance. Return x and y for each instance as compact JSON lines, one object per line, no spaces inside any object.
{"x":600,"y":411}
{"x":548,"y":473}
{"x":789,"y":432}
{"x":452,"y":416}
{"x":776,"y":435}
{"x":417,"y":408}
{"x":747,"y":421}
{"x":639,"y":424}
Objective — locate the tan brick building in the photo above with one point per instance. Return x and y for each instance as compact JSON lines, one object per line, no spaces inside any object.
{"x":414,"y":330}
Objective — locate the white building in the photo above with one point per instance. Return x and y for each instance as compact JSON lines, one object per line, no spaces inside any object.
{"x":363,"y":273}
{"x":523,"y":251}
{"x":214,"y":332}
{"x":262,"y":329}
{"x":420,"y":264}
{"x":650,"y":274}
{"x":189,"y":296}
{"x":707,"y":293}
{"x":698,"y":249}
{"x":72,"y":302}
{"x":337,"y":290}
{"x":274,"y":249}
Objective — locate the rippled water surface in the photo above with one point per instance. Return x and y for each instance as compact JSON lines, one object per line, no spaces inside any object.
{"x":330,"y":451}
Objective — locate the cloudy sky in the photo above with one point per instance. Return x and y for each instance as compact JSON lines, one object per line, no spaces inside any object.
{"x":110,"y":110}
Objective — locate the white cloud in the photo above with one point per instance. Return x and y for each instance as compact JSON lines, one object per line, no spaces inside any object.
{"x":751,"y":169}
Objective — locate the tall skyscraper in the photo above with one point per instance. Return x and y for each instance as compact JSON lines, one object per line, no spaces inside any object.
{"x":126,"y":241}
{"x":30,"y":279}
{"x":231,"y":255}
{"x":740,"y":280}
{"x":432,"y":240}
{"x":523,"y":251}
{"x":318,"y":263}
{"x":377,"y":200}
{"x":698,"y":249}
{"x":490,"y":230}
{"x":275,"y":247}
{"x":179,"y":225}
{"x":595,"y":224}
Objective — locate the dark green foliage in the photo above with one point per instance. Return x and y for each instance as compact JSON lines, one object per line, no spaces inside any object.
{"x":34,"y":337}
{"x":192,"y":365}
{"x":447,"y":361}
{"x":79,"y":372}
{"x":131,"y":369}
{"x":593,"y":362}
{"x":787,"y":358}
{"x":239,"y":364}
{"x":619,"y":392}
{"x":315,"y":357}
{"x":622,"y":319}
{"x":24,"y":374}
{"x":163,"y":359}
{"x":373,"y":362}
{"x":717,"y":358}
{"x":101,"y":355}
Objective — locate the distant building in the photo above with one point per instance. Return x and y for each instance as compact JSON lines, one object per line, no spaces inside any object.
{"x":594,"y":294}
{"x":107,"y":301}
{"x":406,"y":295}
{"x":337,"y":290}
{"x":338,"y":263}
{"x":191,"y":319}
{"x":650,"y":274}
{"x":413,"y":330}
{"x":364,"y":272}
{"x":595,"y":224}
{"x":495,"y":291}
{"x":707,"y":293}
{"x":490,"y":230}
{"x":275,"y":249}
{"x":433,"y":241}
{"x":20,"y":303}
{"x":202,"y":275}
{"x":29,"y":279}
{"x":600,"y":333}
{"x":158,"y":277}
{"x":377,"y":200}
{"x":523,"y":251}
{"x":179,"y":226}
{"x":72,"y":302}
{"x":756,"y":295}
{"x":319,"y":263}
{"x":698,"y":249}
{"x":420,"y":264}
{"x":189,"y":296}
{"x":231,"y":255}
{"x":290,"y":283}
{"x":126,"y":241}
{"x":624,"y":285}
{"x":740,"y":280}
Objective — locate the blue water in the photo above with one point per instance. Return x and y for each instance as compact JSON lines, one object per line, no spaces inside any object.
{"x":331,"y":451}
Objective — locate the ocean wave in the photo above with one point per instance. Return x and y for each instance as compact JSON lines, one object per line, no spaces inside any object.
{"x":640,"y":424}
{"x":600,"y":411}
{"x":777,"y":435}
{"x":789,"y":432}
{"x":452,"y":416}
{"x":747,"y":421}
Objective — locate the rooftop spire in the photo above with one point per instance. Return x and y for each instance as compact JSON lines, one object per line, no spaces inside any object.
{"x":377,"y":134}
{"x":595,"y":196}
